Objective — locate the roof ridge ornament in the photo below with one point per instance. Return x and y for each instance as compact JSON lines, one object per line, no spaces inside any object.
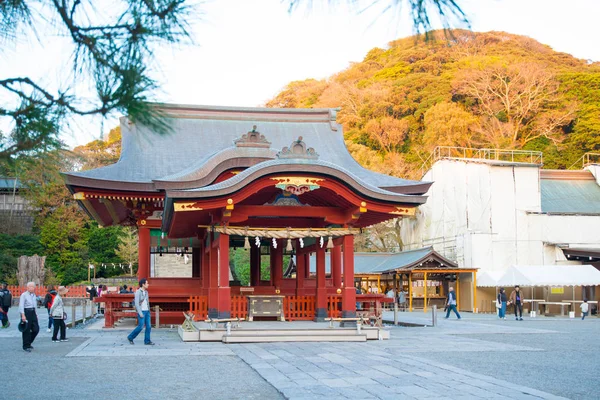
{"x":252,"y":139}
{"x":298,"y":149}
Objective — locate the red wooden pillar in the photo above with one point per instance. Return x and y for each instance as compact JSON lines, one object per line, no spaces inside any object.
{"x":254,"y":266}
{"x":224,"y":303}
{"x":321,"y":303}
{"x":277,"y":265}
{"x":300,"y":268}
{"x":143,"y":252}
{"x":336,"y":266}
{"x":213,"y":278}
{"x":205,"y":265}
{"x":348,"y":292}
{"x":306,"y":265}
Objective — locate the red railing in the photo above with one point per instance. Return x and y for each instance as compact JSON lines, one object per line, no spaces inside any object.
{"x":299,"y":308}
{"x":198,"y":307}
{"x":334,"y":306}
{"x":239,"y":307}
{"x":74,"y":291}
{"x":295,"y":308}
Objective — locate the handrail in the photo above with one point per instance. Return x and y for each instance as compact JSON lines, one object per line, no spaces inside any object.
{"x":449,"y":152}
{"x":586,"y":159}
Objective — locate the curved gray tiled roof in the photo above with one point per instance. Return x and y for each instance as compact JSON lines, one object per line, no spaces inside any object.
{"x":200,"y":133}
{"x":377,"y":263}
{"x":282,"y":162}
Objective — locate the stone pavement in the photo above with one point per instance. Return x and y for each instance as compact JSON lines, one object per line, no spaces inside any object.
{"x":476,"y":357}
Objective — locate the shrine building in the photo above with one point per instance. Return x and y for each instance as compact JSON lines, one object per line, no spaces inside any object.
{"x":275,"y":182}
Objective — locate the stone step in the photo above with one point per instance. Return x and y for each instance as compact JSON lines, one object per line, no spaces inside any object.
{"x":263,"y":338}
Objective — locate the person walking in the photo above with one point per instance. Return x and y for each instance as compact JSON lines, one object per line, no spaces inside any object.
{"x":57,"y":312}
{"x":142,"y":307}
{"x":516,"y":298}
{"x":584,"y":309}
{"x":402,"y":299}
{"x":27,"y":304}
{"x":5,"y":304}
{"x":502,"y":300}
{"x":451,"y":303}
{"x":48,"y":300}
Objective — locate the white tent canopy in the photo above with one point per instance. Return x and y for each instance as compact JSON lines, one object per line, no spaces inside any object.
{"x":543,"y":275}
{"x":488,"y":278}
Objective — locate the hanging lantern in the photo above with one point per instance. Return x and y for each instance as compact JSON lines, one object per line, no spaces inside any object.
{"x":301,"y":243}
{"x":274,"y":243}
{"x":257,"y":241}
{"x":329,"y":243}
{"x":246,"y":243}
{"x":289,"y":245}
{"x":321,"y":242}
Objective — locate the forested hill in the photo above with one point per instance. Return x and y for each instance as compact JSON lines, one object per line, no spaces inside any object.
{"x":482,"y":90}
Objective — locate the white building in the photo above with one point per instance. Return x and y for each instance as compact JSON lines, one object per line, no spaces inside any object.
{"x":487,"y":211}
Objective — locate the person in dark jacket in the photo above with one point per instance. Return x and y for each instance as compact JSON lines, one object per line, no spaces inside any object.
{"x":5,"y":304}
{"x":502,"y":300}
{"x":451,"y":303}
{"x":516,"y":298}
{"x":92,"y":291}
{"x":48,"y":300}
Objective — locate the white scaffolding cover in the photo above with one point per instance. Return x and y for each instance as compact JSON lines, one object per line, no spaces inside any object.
{"x":544,"y":275}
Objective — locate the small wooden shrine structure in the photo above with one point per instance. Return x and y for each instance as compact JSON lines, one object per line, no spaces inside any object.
{"x":273,"y":181}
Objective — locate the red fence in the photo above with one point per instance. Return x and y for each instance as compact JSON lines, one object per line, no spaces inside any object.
{"x":239,"y":307}
{"x":199,"y":307}
{"x":74,"y":291}
{"x":295,"y":308}
{"x":299,"y":308}
{"x":334,"y":306}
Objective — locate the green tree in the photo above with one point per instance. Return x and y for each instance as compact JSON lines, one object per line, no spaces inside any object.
{"x":112,"y":53}
{"x":101,"y":248}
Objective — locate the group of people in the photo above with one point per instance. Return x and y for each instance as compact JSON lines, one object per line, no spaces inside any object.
{"x":516,"y":299}
{"x":125,"y":290}
{"x":53,"y":302}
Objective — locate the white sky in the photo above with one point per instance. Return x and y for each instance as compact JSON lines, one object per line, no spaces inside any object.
{"x":247,"y":51}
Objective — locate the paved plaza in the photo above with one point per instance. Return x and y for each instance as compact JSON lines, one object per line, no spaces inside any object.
{"x":476,"y":357}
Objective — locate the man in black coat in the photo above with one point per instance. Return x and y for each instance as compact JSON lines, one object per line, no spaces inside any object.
{"x":92,"y":291}
{"x":5,"y":304}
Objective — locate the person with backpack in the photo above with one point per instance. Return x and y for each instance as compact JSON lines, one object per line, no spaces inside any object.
{"x":5,"y":304}
{"x":57,"y":313}
{"x":451,"y":303}
{"x":48,"y":300}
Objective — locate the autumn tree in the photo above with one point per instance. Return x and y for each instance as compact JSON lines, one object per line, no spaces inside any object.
{"x":100,"y":153}
{"x":449,"y":124}
{"x":516,"y":103}
{"x":388,"y":132}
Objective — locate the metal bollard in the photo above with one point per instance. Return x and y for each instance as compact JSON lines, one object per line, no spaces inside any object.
{"x":395,"y":313}
{"x":434,"y":315}
{"x":73,"y":314}
{"x":157,"y":316}
{"x":84,"y":308}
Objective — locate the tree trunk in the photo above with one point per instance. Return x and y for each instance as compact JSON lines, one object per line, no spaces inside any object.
{"x":31,"y":269}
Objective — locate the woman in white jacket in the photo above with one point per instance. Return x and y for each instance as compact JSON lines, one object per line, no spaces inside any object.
{"x":57,"y":312}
